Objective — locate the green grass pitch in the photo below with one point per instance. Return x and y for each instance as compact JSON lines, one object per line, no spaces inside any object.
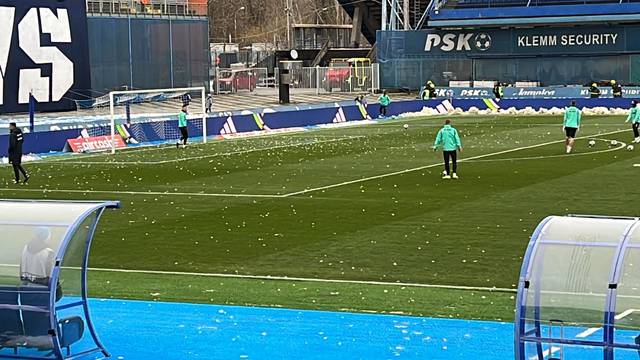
{"x":364,"y":204}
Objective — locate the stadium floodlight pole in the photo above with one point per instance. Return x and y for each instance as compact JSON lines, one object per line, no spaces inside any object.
{"x":112,"y":112}
{"x":288,"y":9}
{"x":235,"y":23}
{"x":384,"y":16}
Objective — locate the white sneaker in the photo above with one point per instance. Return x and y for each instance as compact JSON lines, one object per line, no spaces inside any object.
{"x":446,"y":177}
{"x":454,"y":176}
{"x":636,"y":140}
{"x":568,"y":149}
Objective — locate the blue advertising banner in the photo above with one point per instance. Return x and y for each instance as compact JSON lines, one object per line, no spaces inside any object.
{"x":43,"y":52}
{"x":564,"y":92}
{"x":488,"y":42}
{"x":532,"y":92}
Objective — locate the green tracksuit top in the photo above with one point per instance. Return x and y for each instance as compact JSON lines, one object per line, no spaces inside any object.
{"x":182,"y":119}
{"x":634,"y":115}
{"x":448,"y":138}
{"x":384,"y":100}
{"x":572,"y":117}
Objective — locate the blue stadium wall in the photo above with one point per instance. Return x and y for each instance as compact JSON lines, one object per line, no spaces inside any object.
{"x":551,"y":55}
{"x":147,"y":53}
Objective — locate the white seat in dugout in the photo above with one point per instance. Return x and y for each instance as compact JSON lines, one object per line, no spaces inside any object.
{"x":579,"y":290}
{"x":44,"y":252}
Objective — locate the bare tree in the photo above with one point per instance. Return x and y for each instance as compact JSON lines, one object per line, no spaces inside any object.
{"x":265,"y":20}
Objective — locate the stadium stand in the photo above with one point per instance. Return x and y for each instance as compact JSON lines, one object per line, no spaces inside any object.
{"x":521,"y":12}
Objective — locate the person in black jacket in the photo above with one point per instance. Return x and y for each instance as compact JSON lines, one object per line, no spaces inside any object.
{"x":616,"y":89}
{"x":594,"y":92}
{"x":15,"y":152}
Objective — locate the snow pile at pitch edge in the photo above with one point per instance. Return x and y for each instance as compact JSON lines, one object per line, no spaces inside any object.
{"x":426,"y":111}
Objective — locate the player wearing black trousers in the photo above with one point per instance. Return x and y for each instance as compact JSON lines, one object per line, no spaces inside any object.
{"x":15,"y":152}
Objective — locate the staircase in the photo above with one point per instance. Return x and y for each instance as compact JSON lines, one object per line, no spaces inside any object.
{"x":372,"y":14}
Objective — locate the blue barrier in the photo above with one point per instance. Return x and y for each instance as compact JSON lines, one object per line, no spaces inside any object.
{"x":41,"y":142}
{"x":54,"y":141}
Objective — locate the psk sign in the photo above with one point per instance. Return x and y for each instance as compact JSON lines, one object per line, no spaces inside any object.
{"x":458,"y":42}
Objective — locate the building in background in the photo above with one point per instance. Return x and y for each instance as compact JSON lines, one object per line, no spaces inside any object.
{"x":315,"y":36}
{"x":559,"y":42}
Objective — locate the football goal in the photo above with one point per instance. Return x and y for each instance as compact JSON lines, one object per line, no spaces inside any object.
{"x":151,"y":116}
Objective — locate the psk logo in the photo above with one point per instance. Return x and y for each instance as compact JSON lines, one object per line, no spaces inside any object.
{"x":483,"y":42}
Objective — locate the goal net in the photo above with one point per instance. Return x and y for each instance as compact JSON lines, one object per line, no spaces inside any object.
{"x":151,"y":116}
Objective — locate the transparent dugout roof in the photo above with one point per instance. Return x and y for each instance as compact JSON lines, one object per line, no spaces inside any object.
{"x":579,"y":288}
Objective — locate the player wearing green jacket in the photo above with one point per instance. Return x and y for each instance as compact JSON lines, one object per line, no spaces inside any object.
{"x":634,"y":118}
{"x":384,"y":101}
{"x":449,"y":139}
{"x":182,"y":125}
{"x":572,"y":120}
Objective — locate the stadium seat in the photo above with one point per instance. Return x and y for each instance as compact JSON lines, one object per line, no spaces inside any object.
{"x":10,"y":323}
{"x":71,"y":331}
{"x":34,"y":301}
{"x":25,"y":320}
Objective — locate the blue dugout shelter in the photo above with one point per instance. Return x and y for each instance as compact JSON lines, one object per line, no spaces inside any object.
{"x":44,"y":253}
{"x":579,"y":290}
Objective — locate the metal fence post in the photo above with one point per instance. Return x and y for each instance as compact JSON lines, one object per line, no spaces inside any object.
{"x":317,"y":79}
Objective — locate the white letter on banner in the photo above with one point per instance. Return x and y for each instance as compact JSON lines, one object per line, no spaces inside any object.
{"x":62,"y":68}
{"x":448,"y":42}
{"x":6,"y":32}
{"x":463,"y":42}
{"x":432,"y":40}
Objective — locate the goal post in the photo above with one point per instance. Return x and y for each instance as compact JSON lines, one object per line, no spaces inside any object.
{"x":131,"y":107}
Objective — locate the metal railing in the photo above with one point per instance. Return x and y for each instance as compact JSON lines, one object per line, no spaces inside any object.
{"x":333,"y":79}
{"x":148,"y":8}
{"x":307,"y":79}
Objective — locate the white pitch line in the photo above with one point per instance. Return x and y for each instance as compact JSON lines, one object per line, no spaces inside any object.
{"x":400,"y":172}
{"x":275,"y":196}
{"x":619,"y":147}
{"x":204,"y":156}
{"x":154,"y":193}
{"x":546,"y":353}
{"x":593,"y":330}
{"x":302,"y":279}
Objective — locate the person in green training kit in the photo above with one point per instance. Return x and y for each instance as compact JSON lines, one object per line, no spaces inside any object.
{"x":634,"y":118}
{"x":572,"y":119}
{"x":449,"y":139}
{"x":182,"y":125}
{"x":384,"y":101}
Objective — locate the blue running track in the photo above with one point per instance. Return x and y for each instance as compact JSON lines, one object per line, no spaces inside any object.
{"x":137,"y":330}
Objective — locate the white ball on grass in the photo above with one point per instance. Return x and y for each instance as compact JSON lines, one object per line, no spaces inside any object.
{"x":592,"y":143}
{"x":630,"y":148}
{"x":406,"y":126}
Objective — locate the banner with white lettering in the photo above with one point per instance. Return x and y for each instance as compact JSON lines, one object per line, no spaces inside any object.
{"x":565,"y":92}
{"x":570,"y":92}
{"x":96,"y":143}
{"x":43,"y":51}
{"x":490,"y":42}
